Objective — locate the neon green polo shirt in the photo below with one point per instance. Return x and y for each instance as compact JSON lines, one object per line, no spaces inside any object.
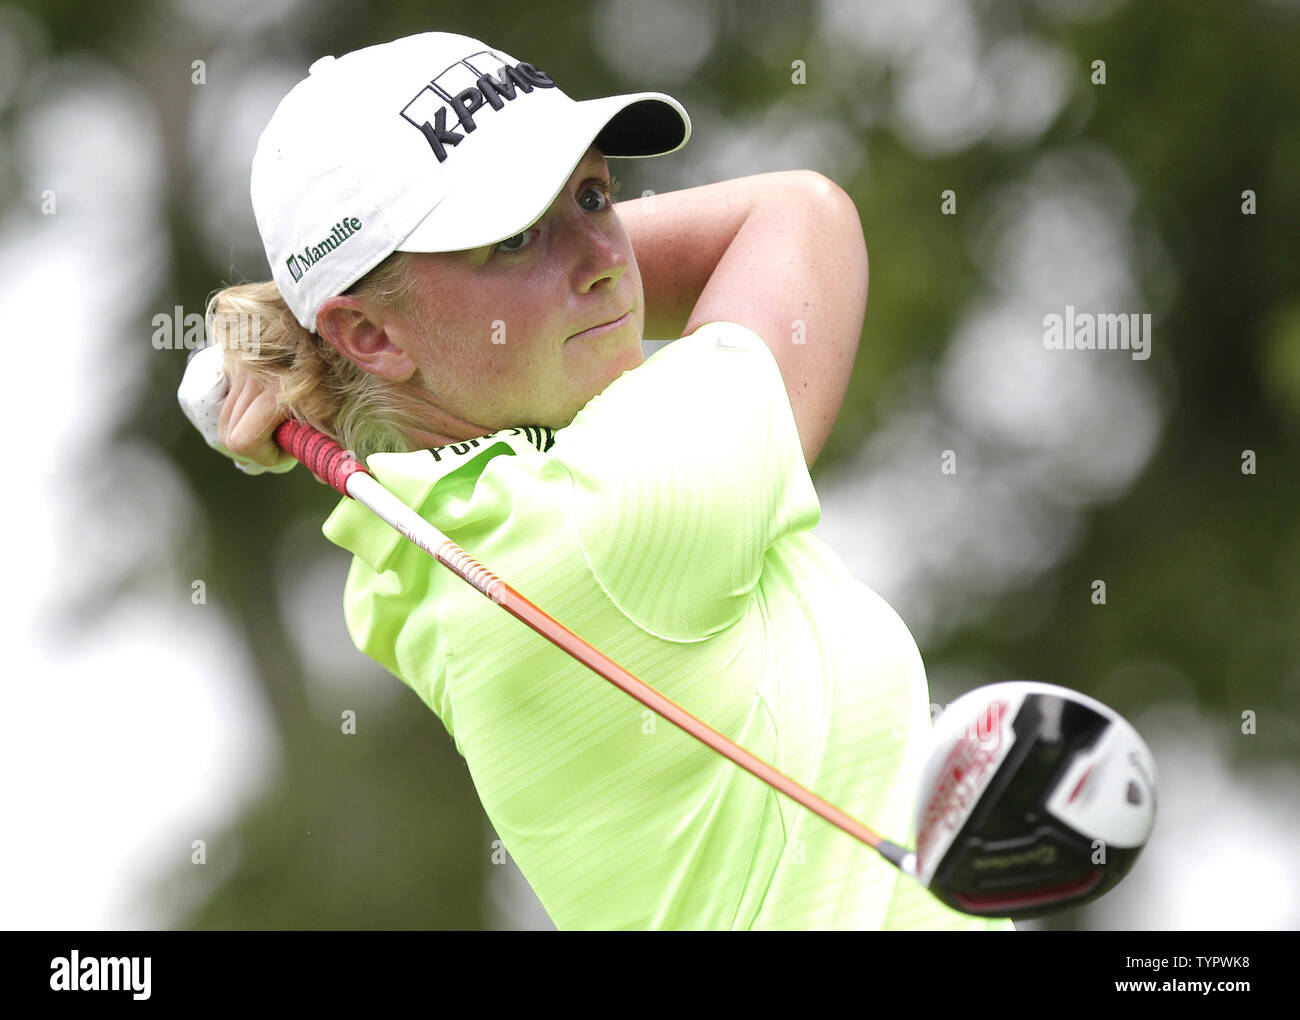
{"x":669,"y":524}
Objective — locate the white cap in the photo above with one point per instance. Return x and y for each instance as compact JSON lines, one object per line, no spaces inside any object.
{"x":434,"y":142}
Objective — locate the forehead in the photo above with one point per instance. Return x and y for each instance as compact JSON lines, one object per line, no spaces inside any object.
{"x":592,"y":158}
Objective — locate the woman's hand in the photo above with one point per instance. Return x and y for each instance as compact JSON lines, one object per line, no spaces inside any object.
{"x":249,"y":417}
{"x":237,"y":415}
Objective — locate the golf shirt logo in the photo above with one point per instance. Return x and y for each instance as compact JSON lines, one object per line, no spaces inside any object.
{"x":540,"y":436}
{"x":463,"y":89}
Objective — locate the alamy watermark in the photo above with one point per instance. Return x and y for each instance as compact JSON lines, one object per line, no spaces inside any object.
{"x":1105,"y":331}
{"x":176,"y":331}
{"x":75,"y":973}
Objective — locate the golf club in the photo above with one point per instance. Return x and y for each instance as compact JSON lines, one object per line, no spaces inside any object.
{"x":1033,"y":797}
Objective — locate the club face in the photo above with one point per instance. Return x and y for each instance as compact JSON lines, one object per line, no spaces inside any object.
{"x":1033,"y":798}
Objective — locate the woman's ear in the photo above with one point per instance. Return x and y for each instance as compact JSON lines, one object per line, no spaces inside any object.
{"x":357,"y":329}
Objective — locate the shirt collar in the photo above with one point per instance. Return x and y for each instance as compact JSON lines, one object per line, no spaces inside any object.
{"x":413,"y":477}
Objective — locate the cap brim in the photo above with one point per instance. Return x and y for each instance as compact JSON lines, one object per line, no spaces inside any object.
{"x":648,"y":124}
{"x":520,"y":172}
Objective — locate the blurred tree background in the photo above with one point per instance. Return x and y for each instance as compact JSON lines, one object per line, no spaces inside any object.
{"x":1094,"y":153}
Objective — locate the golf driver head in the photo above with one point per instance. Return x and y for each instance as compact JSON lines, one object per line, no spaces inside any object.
{"x":1033,"y":798}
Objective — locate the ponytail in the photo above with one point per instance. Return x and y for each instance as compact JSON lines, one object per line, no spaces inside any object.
{"x":315,"y":383}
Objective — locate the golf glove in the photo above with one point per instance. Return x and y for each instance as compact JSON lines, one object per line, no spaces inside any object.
{"x":202,"y":390}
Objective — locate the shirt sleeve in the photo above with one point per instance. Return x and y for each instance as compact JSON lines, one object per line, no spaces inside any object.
{"x":685,"y":471}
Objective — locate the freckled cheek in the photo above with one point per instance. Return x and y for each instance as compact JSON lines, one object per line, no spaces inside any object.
{"x":481,"y":325}
{"x":510,"y":317}
{"x":510,"y":351}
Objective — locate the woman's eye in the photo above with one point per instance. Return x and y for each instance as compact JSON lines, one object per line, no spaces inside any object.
{"x":597,"y":197}
{"x":593,"y":200}
{"x":517,"y":243}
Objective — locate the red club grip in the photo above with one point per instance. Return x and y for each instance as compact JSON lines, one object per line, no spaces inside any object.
{"x":323,"y":457}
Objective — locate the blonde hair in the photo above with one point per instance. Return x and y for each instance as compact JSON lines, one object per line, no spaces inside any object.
{"x":315,"y":382}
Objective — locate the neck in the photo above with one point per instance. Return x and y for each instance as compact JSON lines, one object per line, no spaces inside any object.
{"x":438,"y":426}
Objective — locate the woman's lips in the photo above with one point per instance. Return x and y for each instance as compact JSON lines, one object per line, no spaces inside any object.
{"x":603,"y":328}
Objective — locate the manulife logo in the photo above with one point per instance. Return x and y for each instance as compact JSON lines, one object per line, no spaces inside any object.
{"x":300,"y":262}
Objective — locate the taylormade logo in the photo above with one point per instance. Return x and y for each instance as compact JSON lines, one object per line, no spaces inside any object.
{"x":964,"y":775}
{"x":464,"y":88}
{"x":313,"y":253}
{"x":101,"y":974}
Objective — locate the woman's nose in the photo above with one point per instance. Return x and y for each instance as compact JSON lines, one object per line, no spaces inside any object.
{"x":598,"y":258}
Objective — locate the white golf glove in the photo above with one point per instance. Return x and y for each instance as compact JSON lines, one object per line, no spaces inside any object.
{"x":203,"y":388}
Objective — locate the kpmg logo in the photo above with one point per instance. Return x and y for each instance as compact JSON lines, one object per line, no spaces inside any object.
{"x":463,"y":89}
{"x":300,"y":262}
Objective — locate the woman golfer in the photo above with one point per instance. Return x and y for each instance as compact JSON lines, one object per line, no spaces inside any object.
{"x":458,"y":301}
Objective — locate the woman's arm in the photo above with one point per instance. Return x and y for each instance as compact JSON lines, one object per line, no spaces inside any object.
{"x":780,"y":253}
